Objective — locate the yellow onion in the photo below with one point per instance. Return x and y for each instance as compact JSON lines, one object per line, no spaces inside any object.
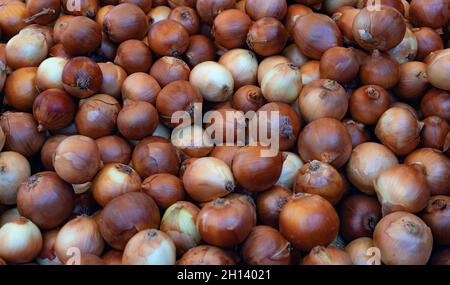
{"x":213,"y":80}
{"x":282,"y":83}
{"x":291,"y":166}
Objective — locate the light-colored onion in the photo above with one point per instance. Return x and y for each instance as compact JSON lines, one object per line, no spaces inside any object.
{"x":243,"y":66}
{"x":361,"y":251}
{"x":268,"y":63}
{"x":406,"y":50}
{"x":439,"y":68}
{"x":291,"y":166}
{"x":28,"y":48}
{"x":49,"y":73}
{"x":213,"y":80}
{"x":295,"y":55}
{"x":282,"y":83}
{"x":14,"y":169}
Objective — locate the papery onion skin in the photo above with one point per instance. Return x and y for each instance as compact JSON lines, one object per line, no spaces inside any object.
{"x":207,"y":255}
{"x":20,"y":89}
{"x":113,"y":78}
{"x":26,"y":49}
{"x":366,"y":162}
{"x":248,"y":98}
{"x":359,"y":250}
{"x":438,"y":69}
{"x":273,"y":8}
{"x":137,"y":120}
{"x":47,"y":256}
{"x":380,"y":69}
{"x":436,"y":166}
{"x":399,"y":130}
{"x":165,"y":189}
{"x":168,"y":37}
{"x":266,"y":246}
{"x":268,"y":63}
{"x":209,"y":9}
{"x":310,"y":71}
{"x":179,"y":223}
{"x":126,"y":215}
{"x":49,"y":73}
{"x":270,"y":203}
{"x":308,"y":220}
{"x":436,"y":102}
{"x":320,"y":255}
{"x":213,"y":80}
{"x":81,"y":36}
{"x":243,"y":66}
{"x":14,"y":169}
{"x":434,"y":132}
{"x":437,"y":216}
{"x":114,"y":149}
{"x":403,"y":239}
{"x":134,"y":56}
{"x":267,"y":36}
{"x":187,"y":17}
{"x":402,"y":188}
{"x":291,"y":165}
{"x":12,"y":18}
{"x":413,"y":81}
{"x":124,"y":22}
{"x":200,"y":49}
{"x":53,"y":109}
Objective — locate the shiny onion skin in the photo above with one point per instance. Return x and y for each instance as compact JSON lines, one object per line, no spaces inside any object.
{"x":20,"y":240}
{"x":44,"y":191}
{"x":168,"y":37}
{"x":360,"y":253}
{"x":113,"y":180}
{"x":28,"y":48}
{"x":436,"y":102}
{"x":428,"y":41}
{"x":358,"y":132}
{"x":289,"y":123}
{"x":140,"y":87}
{"x":321,"y":179}
{"x":395,"y":4}
{"x":308,"y":27}
{"x":434,"y":132}
{"x":82,"y":77}
{"x":295,"y":55}
{"x":200,"y":49}
{"x":53,"y":109}
{"x":21,"y":132}
{"x":125,"y":22}
{"x":145,"y":5}
{"x":155,"y":155}
{"x":308,"y":220}
{"x":213,"y":80}
{"x":168,"y":69}
{"x":402,"y":188}
{"x":368,"y":103}
{"x":248,"y":98}
{"x":230,"y":28}
{"x":270,"y":203}
{"x":323,"y":98}
{"x":399,"y":130}
{"x":227,"y":222}
{"x":366,"y":163}
{"x":20,"y":89}
{"x":243,"y":66}
{"x":266,"y":246}
{"x":209,"y":9}
{"x":126,"y":215}
{"x":326,"y":140}
{"x":207,"y":179}
{"x":438,"y":68}
{"x":77,"y":159}
{"x":165,"y":189}
{"x":380,"y":69}
{"x":436,"y":166}
{"x":359,"y":214}
{"x":292,"y":163}
{"x":268,"y":63}
{"x":149,"y":247}
{"x":43,"y":12}
{"x":437,"y":216}
{"x":403,"y":239}
{"x":406,"y":50}
{"x":83,"y":233}
{"x":86,"y":8}
{"x":207,"y":255}
{"x":49,"y":74}
{"x":81,"y":36}
{"x":340,"y":64}
{"x":255,"y":172}
{"x":179,"y":223}
{"x":134,"y":56}
{"x":413,"y":82}
{"x":429,"y":13}
{"x":320,"y":255}
{"x":177,"y":96}
{"x":267,"y":36}
{"x":380,"y":29}
{"x":137,"y":120}
{"x":282,"y":83}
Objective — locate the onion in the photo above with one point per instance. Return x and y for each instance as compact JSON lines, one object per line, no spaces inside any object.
{"x":28,"y":48}
{"x":380,"y":69}
{"x":168,"y":69}
{"x":9,"y":216}
{"x":282,"y":83}
{"x":49,"y":73}
{"x":168,"y":37}
{"x":53,"y":109}
{"x":266,"y":246}
{"x":179,"y":223}
{"x":12,"y":17}
{"x":187,"y":17}
{"x":200,"y":49}
{"x":268,"y":63}
{"x":213,"y":80}
{"x":413,"y":81}
{"x":137,"y":119}
{"x":399,"y":130}
{"x":248,"y":98}
{"x":125,"y":22}
{"x":434,"y":132}
{"x":406,"y":50}
{"x":20,"y":241}
{"x":436,"y":102}
{"x":310,"y":71}
{"x":436,"y":216}
{"x":140,"y":87}
{"x":428,"y":41}
{"x":359,"y":250}
{"x":81,"y":233}
{"x":243,"y":66}
{"x":294,"y":12}
{"x":323,"y":98}
{"x":14,"y":169}
{"x":82,"y":77}
{"x":81,"y":36}
{"x":429,"y":13}
{"x":20,"y":89}
{"x":47,"y":256}
{"x":267,"y":36}
{"x":439,"y":65}
{"x":291,"y":165}
{"x":436,"y":167}
{"x":209,"y":9}
{"x":133,"y":56}
{"x":158,"y":14}
{"x":270,"y":203}
{"x":320,"y":255}
{"x":192,"y":141}
{"x":230,"y":28}
{"x":403,"y":239}
{"x":366,"y":163}
{"x":358,"y":132}
{"x":207,"y":255}
{"x":294,"y":55}
{"x":344,"y":20}
{"x":165,"y":189}
{"x":150,"y":247}
{"x":271,"y":8}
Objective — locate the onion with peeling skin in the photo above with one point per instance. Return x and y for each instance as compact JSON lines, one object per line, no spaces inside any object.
{"x":359,"y":250}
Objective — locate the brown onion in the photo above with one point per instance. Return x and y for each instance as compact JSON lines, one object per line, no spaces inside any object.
{"x":225,"y":153}
{"x":43,"y":191}
{"x":320,"y":255}
{"x":28,"y":48}
{"x":230,"y":28}
{"x":399,"y":130}
{"x":137,"y":120}
{"x":322,"y":179}
{"x":213,"y":80}
{"x":200,"y":49}
{"x":165,"y":189}
{"x":437,"y":216}
{"x":113,"y":78}
{"x":294,"y":12}
{"x":227,"y":221}
{"x":209,"y":9}
{"x":155,"y":155}
{"x":9,"y":216}
{"x":344,"y":20}
{"x":158,"y":14}
{"x":100,"y":17}
{"x":113,"y":257}
{"x":368,"y":103}
{"x":434,"y":132}
{"x":359,"y":215}
{"x":12,"y":18}
{"x":294,"y":55}
{"x":20,"y":89}
{"x":242,"y":64}
{"x":310,"y":71}
{"x":270,"y":8}
{"x":140,"y":87}
{"x":187,"y":17}
{"x":438,"y":69}
{"x":406,"y":50}
{"x":396,"y":4}
{"x":86,"y":8}
{"x":114,"y":149}
{"x":106,"y":52}
{"x":366,"y":162}
{"x":413,"y":81}
{"x":436,"y":167}
{"x":168,"y":37}
{"x":428,"y":41}
{"x":248,"y":98}
{"x":15,"y":169}
{"x":326,"y":140}
{"x":282,"y":83}
{"x":113,"y":180}
{"x":125,"y":216}
{"x":268,"y":63}
{"x":179,"y":223}
{"x":20,"y":241}
{"x":429,"y":13}
{"x":382,"y":28}
{"x":49,"y":73}
{"x":207,"y":255}
{"x":323,"y":98}
{"x":21,"y":132}
{"x":168,"y":69}
{"x":267,"y":36}
{"x":308,"y":27}
{"x":97,"y":116}
{"x":133,"y":56}
{"x":358,"y":132}
{"x":270,"y":203}
{"x":145,"y":5}
{"x":308,"y":220}
{"x":81,"y":233}
{"x":47,"y":256}
{"x":360,"y":251}
{"x":380,"y":69}
{"x":436,"y":102}
{"x":125,"y":22}
{"x":81,"y":35}
{"x":403,"y":239}
{"x":58,"y":50}
{"x":82,"y":77}
{"x":339,"y":64}
{"x":85,"y":205}
{"x":77,"y":159}
{"x":53,"y":109}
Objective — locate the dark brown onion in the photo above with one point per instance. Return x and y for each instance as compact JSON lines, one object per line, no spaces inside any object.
{"x":368,"y":103}
{"x":168,"y":37}
{"x":436,"y":102}
{"x":165,"y":189}
{"x":168,"y":69}
{"x":53,"y":109}
{"x":267,"y":36}
{"x":200,"y":49}
{"x":434,"y":132}
{"x":270,"y":203}
{"x":82,"y":77}
{"x":48,"y":150}
{"x":230,"y":28}
{"x":134,"y":56}
{"x":294,"y":12}
{"x":140,"y":87}
{"x":209,"y":9}
{"x":358,"y":132}
{"x":437,"y":216}
{"x":187,"y":17}
{"x":125,"y":22}
{"x":428,"y":41}
{"x":137,"y":120}
{"x":380,"y":69}
{"x":43,"y":12}
{"x":340,"y":64}
{"x":413,"y":81}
